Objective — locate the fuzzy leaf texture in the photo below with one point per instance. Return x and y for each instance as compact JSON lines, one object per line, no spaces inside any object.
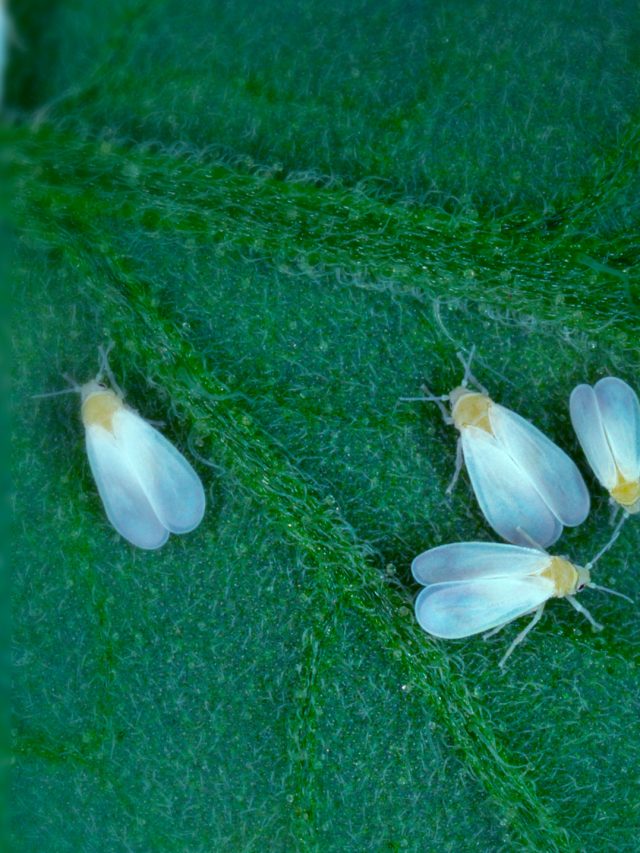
{"x":286,"y":216}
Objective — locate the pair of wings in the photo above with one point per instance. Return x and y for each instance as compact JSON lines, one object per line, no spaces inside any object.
{"x":526,"y":486}
{"x":476,"y":586}
{"x":606,"y":419}
{"x":147,"y":487}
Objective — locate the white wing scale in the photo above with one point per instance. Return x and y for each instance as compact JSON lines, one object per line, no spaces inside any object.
{"x":462,"y":561}
{"x":553,"y":474}
{"x":507,"y":497}
{"x":148,"y":488}
{"x":169,"y":482}
{"x":460,"y":609}
{"x":620,"y":413}
{"x":588,"y":426}
{"x":125,"y":503}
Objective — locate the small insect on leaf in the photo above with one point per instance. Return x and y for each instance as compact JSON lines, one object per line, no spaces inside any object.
{"x":473,"y":587}
{"x":147,"y":487}
{"x":526,"y":486}
{"x":606,"y":418}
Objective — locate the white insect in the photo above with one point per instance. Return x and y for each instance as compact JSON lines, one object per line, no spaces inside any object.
{"x":147,"y":487}
{"x":472,"y":587}
{"x":606,"y":418}
{"x":526,"y":486}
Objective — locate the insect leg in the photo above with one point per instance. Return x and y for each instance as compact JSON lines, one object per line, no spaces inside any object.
{"x":614,"y":536}
{"x":577,"y":606}
{"x":522,"y":635}
{"x":615,"y":508}
{"x":531,"y":541}
{"x":458,"y":467}
{"x":494,"y":631}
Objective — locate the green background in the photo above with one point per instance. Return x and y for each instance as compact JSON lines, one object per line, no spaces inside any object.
{"x":286,"y":216}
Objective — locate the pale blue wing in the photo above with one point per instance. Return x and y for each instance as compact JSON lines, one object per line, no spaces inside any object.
{"x":505,"y":493}
{"x":125,"y":502}
{"x":587,"y":423}
{"x":455,"y":610}
{"x":171,"y":485}
{"x":467,"y":560}
{"x":620,"y":412}
{"x":554,"y":475}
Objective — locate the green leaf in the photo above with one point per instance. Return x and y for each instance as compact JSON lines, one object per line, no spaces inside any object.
{"x":286,"y":217}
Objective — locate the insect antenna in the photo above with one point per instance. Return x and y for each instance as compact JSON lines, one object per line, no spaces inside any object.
{"x":430,"y":397}
{"x":610,"y":591}
{"x":105,"y":369}
{"x":74,"y":389}
{"x":468,"y":375}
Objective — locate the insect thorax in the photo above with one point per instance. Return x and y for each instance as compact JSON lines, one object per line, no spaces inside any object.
{"x":99,"y":406}
{"x":565,"y":576}
{"x":470,"y":408}
{"x":627,"y":493}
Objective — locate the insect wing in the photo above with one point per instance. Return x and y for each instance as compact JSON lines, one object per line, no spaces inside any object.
{"x":171,"y":485}
{"x":455,"y":610}
{"x":554,"y":475}
{"x":620,"y":412}
{"x":462,"y":561}
{"x":587,"y":423}
{"x":125,"y":502}
{"x":506,"y":495}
